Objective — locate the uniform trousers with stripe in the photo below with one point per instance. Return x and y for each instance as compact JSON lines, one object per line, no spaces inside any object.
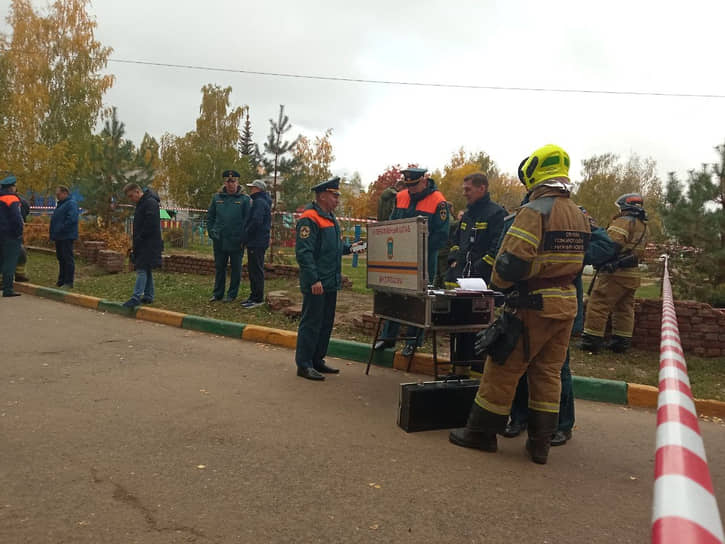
{"x":548,"y":341}
{"x":611,"y":295}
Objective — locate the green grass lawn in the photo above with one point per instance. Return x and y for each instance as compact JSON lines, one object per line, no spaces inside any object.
{"x":188,"y":293}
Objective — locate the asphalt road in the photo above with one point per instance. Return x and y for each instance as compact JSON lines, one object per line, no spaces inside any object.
{"x":121,"y":431}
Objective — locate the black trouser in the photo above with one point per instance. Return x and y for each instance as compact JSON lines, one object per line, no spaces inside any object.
{"x":9,"y":250}
{"x":313,"y":334}
{"x":66,"y":262}
{"x":221,"y":258}
{"x":464,"y":351}
{"x":255,"y":268}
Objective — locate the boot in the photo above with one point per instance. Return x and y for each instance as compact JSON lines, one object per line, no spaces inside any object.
{"x":480,"y":431}
{"x":591,"y":343}
{"x":542,"y":426}
{"x":619,"y":344}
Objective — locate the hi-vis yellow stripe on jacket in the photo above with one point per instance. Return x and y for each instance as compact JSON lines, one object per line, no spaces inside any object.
{"x":626,"y":231}
{"x":545,"y":247}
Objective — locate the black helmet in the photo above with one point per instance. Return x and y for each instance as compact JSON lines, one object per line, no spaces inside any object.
{"x":521,"y":171}
{"x":630,"y":202}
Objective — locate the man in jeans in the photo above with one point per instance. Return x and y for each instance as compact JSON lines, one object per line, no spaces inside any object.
{"x":147,"y":244}
{"x":258,"y":227}
{"x":64,"y":231}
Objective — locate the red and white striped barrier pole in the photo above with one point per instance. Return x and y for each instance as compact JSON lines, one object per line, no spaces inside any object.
{"x":685,"y":509}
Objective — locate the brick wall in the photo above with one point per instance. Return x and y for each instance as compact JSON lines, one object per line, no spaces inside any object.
{"x":203,"y":265}
{"x":702,"y":327}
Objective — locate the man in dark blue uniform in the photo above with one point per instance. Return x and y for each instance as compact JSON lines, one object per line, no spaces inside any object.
{"x":319,"y":249}
{"x":420,"y":198}
{"x":11,"y":233}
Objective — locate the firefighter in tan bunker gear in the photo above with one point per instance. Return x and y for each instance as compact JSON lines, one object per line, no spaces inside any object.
{"x":540,"y":257}
{"x":617,"y":281}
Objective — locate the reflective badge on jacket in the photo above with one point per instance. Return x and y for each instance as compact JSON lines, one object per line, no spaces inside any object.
{"x":304,"y":231}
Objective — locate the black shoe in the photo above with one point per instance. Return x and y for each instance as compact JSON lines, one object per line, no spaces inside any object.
{"x":324,"y":369}
{"x":560,"y":438}
{"x":21,"y":277}
{"x":618,"y":344}
{"x":513,"y":429}
{"x":591,"y":343}
{"x":408,"y":351}
{"x":13,"y":294}
{"x":480,"y":430}
{"x":131,"y":303}
{"x":58,"y":283}
{"x":146,"y":300}
{"x":228,"y":299}
{"x":382,"y":344}
{"x":309,"y":373}
{"x":214,"y":298}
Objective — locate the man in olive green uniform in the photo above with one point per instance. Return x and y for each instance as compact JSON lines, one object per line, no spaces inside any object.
{"x":473,"y":254}
{"x":386,"y":203}
{"x":420,"y":198}
{"x":227,"y":226}
{"x":618,"y":280}
{"x":319,"y":249}
{"x":541,"y":255}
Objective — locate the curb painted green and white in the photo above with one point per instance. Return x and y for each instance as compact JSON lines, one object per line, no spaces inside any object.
{"x":595,"y":389}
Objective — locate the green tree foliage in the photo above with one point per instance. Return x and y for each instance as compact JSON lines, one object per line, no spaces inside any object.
{"x":115,"y":161}
{"x":694,"y":216}
{"x":606,"y":177}
{"x":278,"y":164}
{"x":192,"y":165}
{"x":310,"y":164}
{"x":53,"y":92}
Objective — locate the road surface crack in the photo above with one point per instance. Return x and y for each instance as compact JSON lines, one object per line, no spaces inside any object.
{"x":121,"y":494}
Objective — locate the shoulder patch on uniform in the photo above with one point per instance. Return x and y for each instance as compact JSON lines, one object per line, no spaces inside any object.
{"x":443,"y":211}
{"x":541,"y":205}
{"x":304,"y":231}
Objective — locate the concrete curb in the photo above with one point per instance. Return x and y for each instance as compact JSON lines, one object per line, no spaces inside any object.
{"x":595,"y":389}
{"x":214,"y":326}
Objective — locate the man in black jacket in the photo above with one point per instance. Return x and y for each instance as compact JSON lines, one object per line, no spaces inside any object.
{"x":11,"y":233}
{"x":473,"y":254}
{"x":258,"y":227}
{"x":147,"y":243}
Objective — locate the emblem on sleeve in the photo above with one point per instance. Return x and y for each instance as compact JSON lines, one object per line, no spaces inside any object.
{"x":443,"y":213}
{"x":304,"y":231}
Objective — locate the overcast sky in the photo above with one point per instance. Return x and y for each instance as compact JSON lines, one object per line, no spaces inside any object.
{"x":634,"y":45}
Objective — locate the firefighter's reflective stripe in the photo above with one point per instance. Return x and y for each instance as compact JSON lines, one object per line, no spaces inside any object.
{"x":556,"y":292}
{"x":614,"y":228}
{"x":552,"y":407}
{"x":524,"y":235}
{"x":566,"y":258}
{"x":626,"y":334}
{"x":481,"y":225}
{"x":488,"y":259}
{"x":454,"y":248}
{"x":500,"y":409}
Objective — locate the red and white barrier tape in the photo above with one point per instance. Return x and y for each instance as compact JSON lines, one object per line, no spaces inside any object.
{"x":685,"y":508}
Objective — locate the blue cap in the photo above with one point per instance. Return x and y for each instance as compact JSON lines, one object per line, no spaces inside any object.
{"x":331,"y":185}
{"x":6,"y":182}
{"x":412,"y":175}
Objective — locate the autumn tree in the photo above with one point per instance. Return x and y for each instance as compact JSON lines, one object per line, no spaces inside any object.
{"x":460,"y":165}
{"x":353,"y":198}
{"x":53,"y":89}
{"x":694,"y":216}
{"x":114,"y":162}
{"x":310,"y":164}
{"x":386,"y":179}
{"x":277,"y":148}
{"x":192,"y":165}
{"x":605,"y":177}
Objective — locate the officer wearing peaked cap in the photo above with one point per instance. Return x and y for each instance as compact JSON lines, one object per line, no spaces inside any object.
{"x":227,"y":220}
{"x":421,"y":197}
{"x":319,"y":249}
{"x":11,"y":233}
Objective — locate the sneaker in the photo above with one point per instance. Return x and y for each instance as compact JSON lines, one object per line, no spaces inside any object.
{"x":146,"y":300}
{"x":131,"y":303}
{"x":251,"y":304}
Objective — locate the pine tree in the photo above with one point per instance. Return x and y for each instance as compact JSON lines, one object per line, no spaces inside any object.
{"x":246,"y":144}
{"x":277,"y":147}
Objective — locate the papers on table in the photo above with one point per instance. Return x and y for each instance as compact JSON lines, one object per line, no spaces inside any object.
{"x":471,"y":284}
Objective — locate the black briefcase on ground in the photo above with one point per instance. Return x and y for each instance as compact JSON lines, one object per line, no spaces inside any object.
{"x":435,"y":405}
